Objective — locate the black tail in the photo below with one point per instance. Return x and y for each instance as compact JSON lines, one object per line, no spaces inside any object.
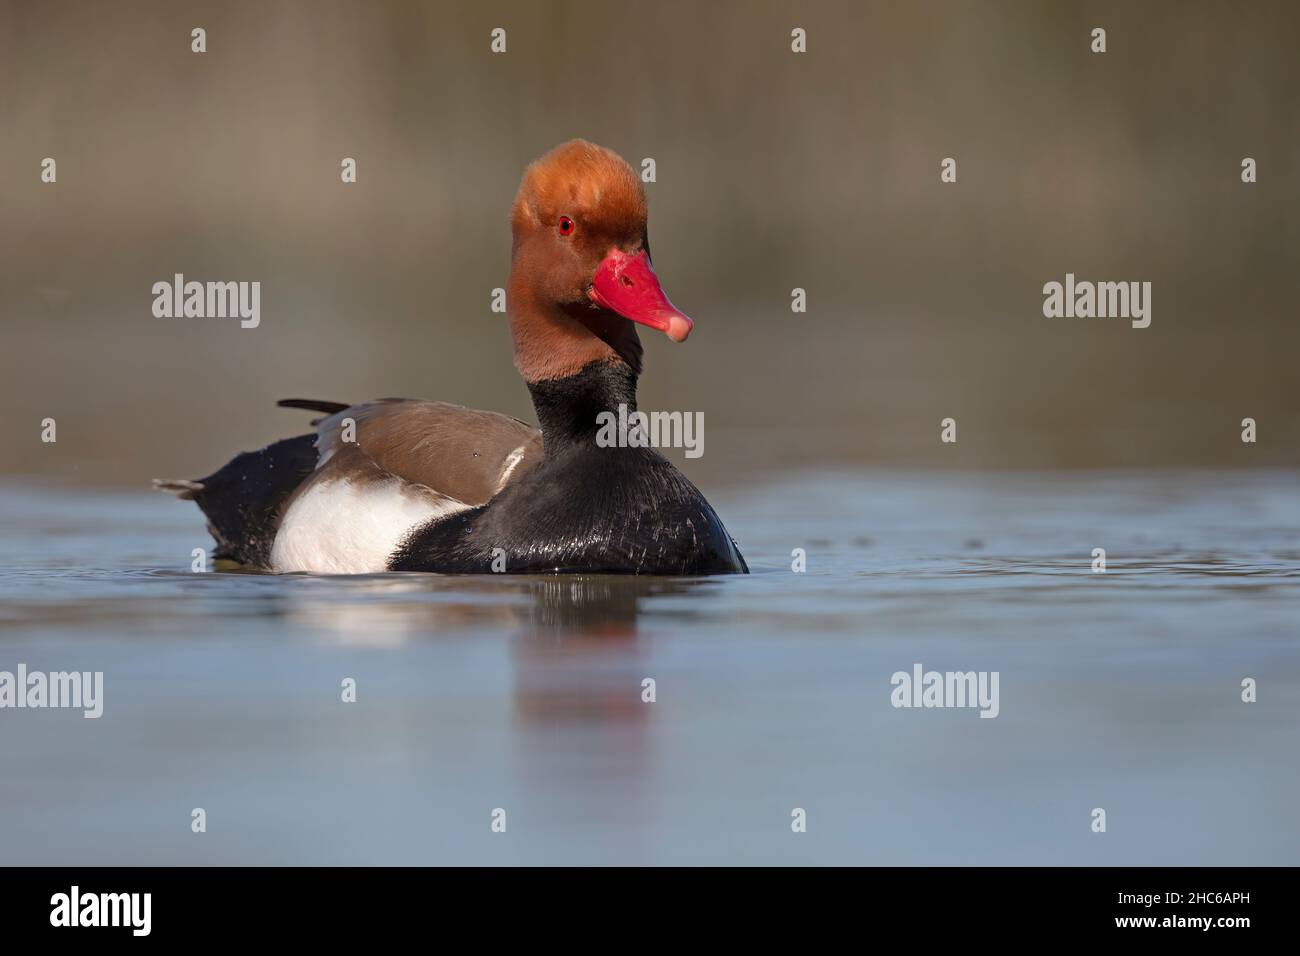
{"x":312,"y":405}
{"x":244,"y":499}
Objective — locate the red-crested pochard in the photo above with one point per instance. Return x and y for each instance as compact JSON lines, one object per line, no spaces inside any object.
{"x":430,"y":486}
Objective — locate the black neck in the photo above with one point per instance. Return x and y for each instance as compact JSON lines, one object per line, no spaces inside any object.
{"x":567,"y":407}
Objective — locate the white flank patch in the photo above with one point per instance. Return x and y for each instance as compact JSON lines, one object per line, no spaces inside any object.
{"x":511,"y":463}
{"x":336,"y":527}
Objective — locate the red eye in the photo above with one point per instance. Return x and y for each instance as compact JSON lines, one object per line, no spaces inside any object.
{"x":566,"y":226}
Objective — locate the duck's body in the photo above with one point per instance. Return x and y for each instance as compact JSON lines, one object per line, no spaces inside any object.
{"x":412,"y":485}
{"x":635,"y":512}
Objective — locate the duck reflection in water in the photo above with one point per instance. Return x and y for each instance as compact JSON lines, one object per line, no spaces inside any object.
{"x":580,"y":657}
{"x":586,"y":697}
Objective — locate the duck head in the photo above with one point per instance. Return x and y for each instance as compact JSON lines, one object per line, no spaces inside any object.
{"x":580,"y":272}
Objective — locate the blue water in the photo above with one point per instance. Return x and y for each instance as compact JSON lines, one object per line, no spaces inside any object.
{"x":1119,"y":691}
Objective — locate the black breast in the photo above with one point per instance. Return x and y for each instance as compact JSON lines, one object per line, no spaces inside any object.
{"x":612,"y":510}
{"x":596,"y":510}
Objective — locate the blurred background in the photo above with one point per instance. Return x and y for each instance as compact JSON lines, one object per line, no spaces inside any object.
{"x":774,"y":171}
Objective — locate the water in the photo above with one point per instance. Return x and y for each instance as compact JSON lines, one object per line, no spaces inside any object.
{"x":1119,"y":690}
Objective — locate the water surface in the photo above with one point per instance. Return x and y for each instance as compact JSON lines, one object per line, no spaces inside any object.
{"x":1119,"y":690}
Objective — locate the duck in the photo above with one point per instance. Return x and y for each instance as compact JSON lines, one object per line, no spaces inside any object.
{"x":402,"y":484}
